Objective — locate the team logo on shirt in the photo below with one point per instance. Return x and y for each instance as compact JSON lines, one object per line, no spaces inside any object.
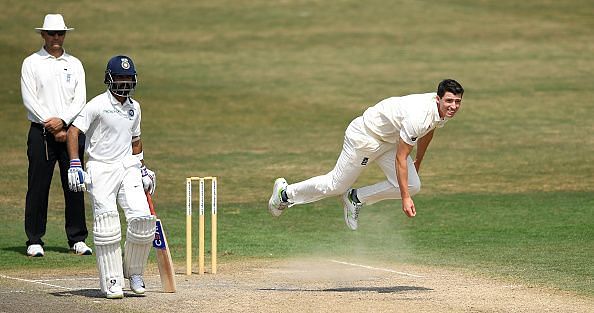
{"x":413,"y":138}
{"x":131,"y":113}
{"x":365,"y":161}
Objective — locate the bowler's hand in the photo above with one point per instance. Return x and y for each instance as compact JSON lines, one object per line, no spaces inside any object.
{"x":76,"y":176}
{"x":408,"y":206}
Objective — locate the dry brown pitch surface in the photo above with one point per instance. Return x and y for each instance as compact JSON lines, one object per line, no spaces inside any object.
{"x":300,"y":285}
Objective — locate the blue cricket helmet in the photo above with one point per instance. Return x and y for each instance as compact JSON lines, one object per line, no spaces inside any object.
{"x":117,"y":67}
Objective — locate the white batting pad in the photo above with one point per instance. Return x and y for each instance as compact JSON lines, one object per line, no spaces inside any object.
{"x":139,"y":239}
{"x":107,"y":235}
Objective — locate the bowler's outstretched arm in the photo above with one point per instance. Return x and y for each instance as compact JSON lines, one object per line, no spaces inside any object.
{"x":402,"y":153}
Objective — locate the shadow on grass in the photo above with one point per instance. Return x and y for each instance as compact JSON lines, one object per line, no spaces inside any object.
{"x":23,"y":249}
{"x":390,"y":289}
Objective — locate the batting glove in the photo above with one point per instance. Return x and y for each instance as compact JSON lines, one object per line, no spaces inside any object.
{"x":76,"y":176}
{"x":149,"y":181}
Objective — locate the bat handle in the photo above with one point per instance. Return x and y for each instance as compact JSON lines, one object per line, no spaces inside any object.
{"x":150,"y":203}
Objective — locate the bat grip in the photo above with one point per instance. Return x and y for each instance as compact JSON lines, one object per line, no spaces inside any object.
{"x":149,"y":199}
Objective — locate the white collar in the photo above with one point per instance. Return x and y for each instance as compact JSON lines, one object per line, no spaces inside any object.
{"x":115,"y":101}
{"x":44,"y":54}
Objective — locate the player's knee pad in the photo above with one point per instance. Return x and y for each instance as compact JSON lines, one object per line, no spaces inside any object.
{"x":107,"y":229}
{"x":107,"y":235}
{"x":139,"y":238}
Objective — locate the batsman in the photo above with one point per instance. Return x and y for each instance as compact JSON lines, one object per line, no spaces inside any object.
{"x":115,"y":174}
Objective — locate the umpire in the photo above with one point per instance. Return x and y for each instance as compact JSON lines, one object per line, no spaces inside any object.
{"x":54,"y":91}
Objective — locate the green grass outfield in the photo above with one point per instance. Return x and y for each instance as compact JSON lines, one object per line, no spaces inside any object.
{"x":252,"y":90}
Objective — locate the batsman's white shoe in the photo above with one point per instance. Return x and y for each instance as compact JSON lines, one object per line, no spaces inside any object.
{"x":276,"y":204}
{"x":81,"y":248}
{"x":351,"y":210}
{"x":35,"y":251}
{"x":114,"y":292}
{"x":137,"y":284}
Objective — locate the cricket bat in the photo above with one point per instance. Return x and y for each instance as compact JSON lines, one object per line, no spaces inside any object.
{"x":166,"y":270}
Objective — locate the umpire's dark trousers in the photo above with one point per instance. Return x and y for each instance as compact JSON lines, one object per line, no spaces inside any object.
{"x":43,"y":151}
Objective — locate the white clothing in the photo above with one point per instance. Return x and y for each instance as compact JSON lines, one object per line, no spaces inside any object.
{"x":115,"y":178}
{"x":139,"y":239}
{"x":119,"y":182}
{"x":351,"y":163}
{"x":114,"y":172}
{"x":107,"y":234}
{"x":109,"y":126}
{"x":408,"y":117}
{"x":374,"y":137}
{"x":52,"y":87}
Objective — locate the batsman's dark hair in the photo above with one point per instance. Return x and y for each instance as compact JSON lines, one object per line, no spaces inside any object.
{"x":451,"y":86}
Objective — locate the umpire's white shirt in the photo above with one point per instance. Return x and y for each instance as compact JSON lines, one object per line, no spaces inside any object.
{"x":408,"y":117}
{"x":109,"y":126}
{"x":52,"y":87}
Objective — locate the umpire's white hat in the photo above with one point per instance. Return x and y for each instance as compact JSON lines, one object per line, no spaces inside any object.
{"x":53,"y":22}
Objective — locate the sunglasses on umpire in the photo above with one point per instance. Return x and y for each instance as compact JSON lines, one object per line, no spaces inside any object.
{"x":52,"y":33}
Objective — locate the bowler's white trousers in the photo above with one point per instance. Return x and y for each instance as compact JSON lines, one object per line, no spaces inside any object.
{"x":119,"y":182}
{"x":360,"y":149}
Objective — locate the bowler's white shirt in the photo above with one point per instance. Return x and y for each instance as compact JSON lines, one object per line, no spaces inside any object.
{"x":408,"y":117}
{"x":52,"y":87}
{"x":109,"y":127}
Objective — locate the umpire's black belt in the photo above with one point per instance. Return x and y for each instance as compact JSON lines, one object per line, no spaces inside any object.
{"x":37,"y":125}
{"x":41,"y":127}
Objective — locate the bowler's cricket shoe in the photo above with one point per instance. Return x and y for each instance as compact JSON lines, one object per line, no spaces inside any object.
{"x":114,"y":292}
{"x":137,"y":284}
{"x":81,"y":248}
{"x":276,"y":205}
{"x":351,"y":210}
{"x":35,"y":251}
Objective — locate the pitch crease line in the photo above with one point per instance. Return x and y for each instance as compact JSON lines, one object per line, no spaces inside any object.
{"x":66,"y":279}
{"x":34,"y":282}
{"x":377,"y":268}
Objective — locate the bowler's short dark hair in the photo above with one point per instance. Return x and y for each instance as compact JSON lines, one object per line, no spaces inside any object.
{"x":451,"y":86}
